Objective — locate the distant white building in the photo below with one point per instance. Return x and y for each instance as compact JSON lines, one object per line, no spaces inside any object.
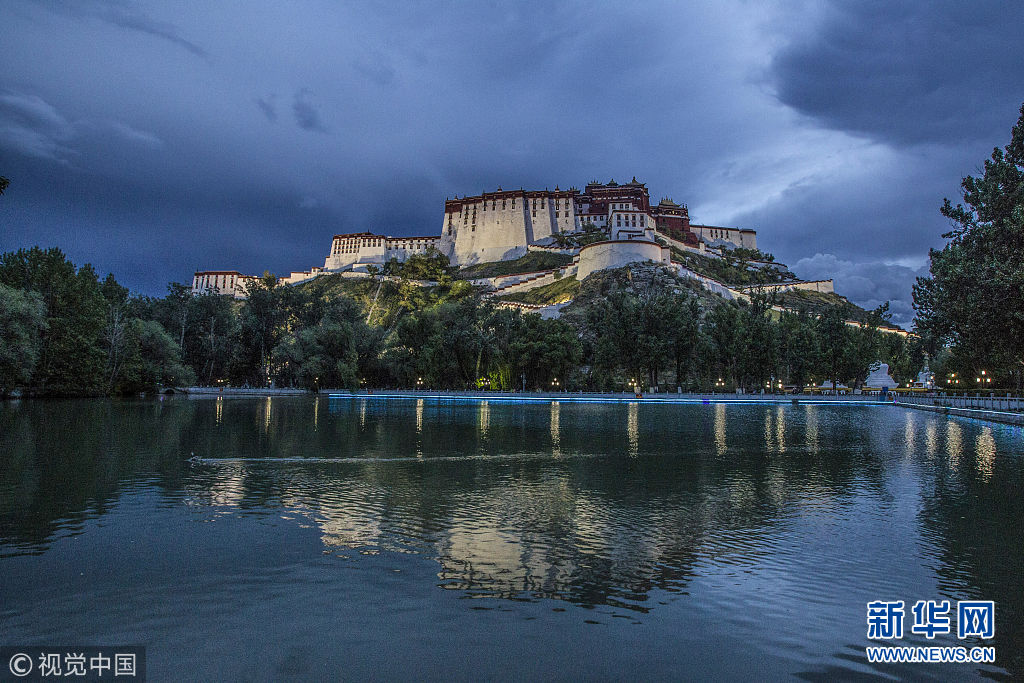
{"x":227,"y":282}
{"x":364,"y":248}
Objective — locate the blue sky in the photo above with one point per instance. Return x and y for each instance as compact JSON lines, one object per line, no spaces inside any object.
{"x":155,"y":138}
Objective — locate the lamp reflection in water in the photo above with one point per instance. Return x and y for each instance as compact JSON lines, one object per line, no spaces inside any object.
{"x":774,"y":430}
{"x":220,"y":410}
{"x":985,"y":452}
{"x":931,"y":439}
{"x":316,"y":413}
{"x":780,"y":428}
{"x":954,"y":444}
{"x":266,"y":417}
{"x":484,"y":419}
{"x":419,"y":428}
{"x":633,"y":429}
{"x":909,"y":433}
{"x":556,"y":429}
{"x":812,"y":428}
{"x":720,"y":428}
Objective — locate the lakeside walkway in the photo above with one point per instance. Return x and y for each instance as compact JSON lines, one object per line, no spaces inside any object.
{"x":988,"y":408}
{"x":1007,"y":410}
{"x":599,"y":397}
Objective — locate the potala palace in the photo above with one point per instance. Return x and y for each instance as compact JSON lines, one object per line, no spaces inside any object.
{"x":607,"y":225}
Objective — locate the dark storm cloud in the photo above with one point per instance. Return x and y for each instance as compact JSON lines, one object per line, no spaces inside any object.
{"x":306,"y":114}
{"x":130,"y":152}
{"x":128,"y":16}
{"x":870,"y":284}
{"x":30,"y":125}
{"x":908,"y":72}
{"x":266,"y":105}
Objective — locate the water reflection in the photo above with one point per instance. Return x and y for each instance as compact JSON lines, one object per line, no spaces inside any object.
{"x":931,"y":438}
{"x":811,"y":427}
{"x":419,"y":428}
{"x":909,"y":433}
{"x":633,"y":428}
{"x":985,"y":452}
{"x":954,"y":444}
{"x":484,"y":419}
{"x":495,"y":515}
{"x":780,"y":428}
{"x":720,"y":445}
{"x":556,"y":429}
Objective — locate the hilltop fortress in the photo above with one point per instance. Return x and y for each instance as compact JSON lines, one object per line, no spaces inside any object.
{"x":505,"y":224}
{"x":607,"y":225}
{"x":502,"y":225}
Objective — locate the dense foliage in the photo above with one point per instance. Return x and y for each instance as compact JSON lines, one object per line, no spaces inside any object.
{"x":736,"y":267}
{"x":66,"y":332}
{"x":973,"y":300}
{"x":530,"y":262}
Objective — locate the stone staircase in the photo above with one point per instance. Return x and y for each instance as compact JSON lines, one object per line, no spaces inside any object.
{"x":536,"y":279}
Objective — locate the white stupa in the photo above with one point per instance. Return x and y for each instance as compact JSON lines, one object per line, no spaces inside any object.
{"x":925,"y":378}
{"x":878,"y":377}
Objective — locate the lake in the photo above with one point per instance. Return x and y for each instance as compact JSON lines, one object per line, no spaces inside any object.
{"x":439,"y":539}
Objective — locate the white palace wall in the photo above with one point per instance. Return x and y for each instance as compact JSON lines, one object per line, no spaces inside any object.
{"x":473,"y":235}
{"x":602,"y":255}
{"x":501,"y":226}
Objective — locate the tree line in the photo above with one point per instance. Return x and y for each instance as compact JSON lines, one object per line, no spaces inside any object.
{"x":67,"y":332}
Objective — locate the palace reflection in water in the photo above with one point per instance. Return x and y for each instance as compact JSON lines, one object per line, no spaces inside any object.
{"x":634,"y":507}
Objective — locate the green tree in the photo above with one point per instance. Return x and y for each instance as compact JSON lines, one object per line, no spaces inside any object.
{"x":798,"y":347}
{"x":974,"y":295}
{"x":323,"y":355}
{"x":22,"y":321}
{"x":115,"y":339}
{"x":262,"y":322}
{"x":833,"y":344}
{"x":152,"y":360}
{"x":71,"y":358}
{"x":725,"y":334}
{"x":757,"y":342}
